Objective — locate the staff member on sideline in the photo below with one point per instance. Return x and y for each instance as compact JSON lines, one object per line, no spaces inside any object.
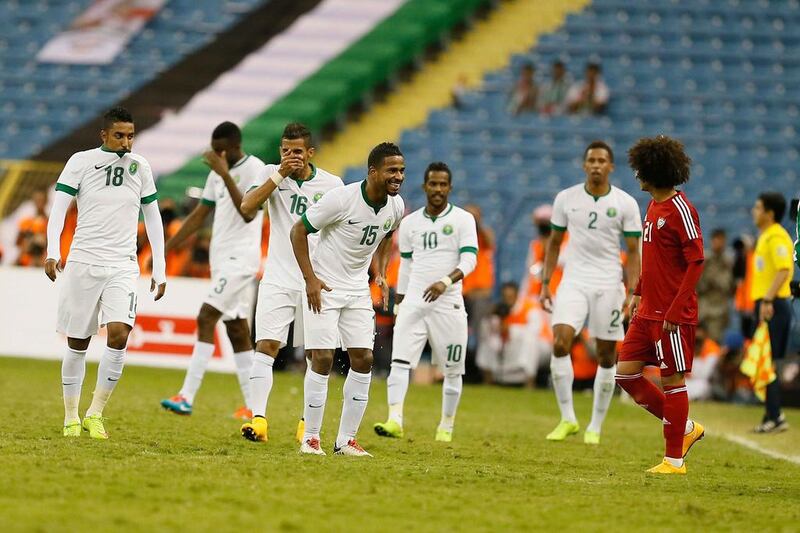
{"x":770,"y":291}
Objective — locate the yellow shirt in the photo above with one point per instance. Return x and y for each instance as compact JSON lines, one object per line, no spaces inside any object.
{"x":773,"y":253}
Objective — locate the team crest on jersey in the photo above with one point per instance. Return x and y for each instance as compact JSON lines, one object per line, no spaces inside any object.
{"x":388,"y":224}
{"x":317,"y":197}
{"x":447,"y":229}
{"x":133,"y":168}
{"x":661,"y":221}
{"x":612,"y":212}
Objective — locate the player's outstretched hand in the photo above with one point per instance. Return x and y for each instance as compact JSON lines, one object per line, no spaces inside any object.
{"x":380,"y":281}
{"x":162,"y":288}
{"x":434,"y":291}
{"x":290,"y":164}
{"x":545,"y":298}
{"x":314,"y":288}
{"x":215,"y":161}
{"x":633,"y":306}
{"x":52,"y":267}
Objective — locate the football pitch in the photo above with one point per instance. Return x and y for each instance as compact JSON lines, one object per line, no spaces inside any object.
{"x":162,"y":472}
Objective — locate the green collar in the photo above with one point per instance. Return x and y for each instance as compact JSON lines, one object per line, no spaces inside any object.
{"x":444,"y":214}
{"x":300,"y":182}
{"x":597,"y":197}
{"x":109,"y":150}
{"x":241,"y":161}
{"x":376,"y":207}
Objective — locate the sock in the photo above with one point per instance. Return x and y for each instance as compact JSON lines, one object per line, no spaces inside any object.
{"x":305,"y":377}
{"x":396,"y":388}
{"x":356,"y":395}
{"x":201,"y":355}
{"x":676,"y":412}
{"x":244,"y":363}
{"x":773,"y":400}
{"x":603,"y":392}
{"x":643,"y":392}
{"x":260,"y":383}
{"x":451,"y":394}
{"x":108,"y":374}
{"x":73,"y":368}
{"x":563,"y":376}
{"x":315,"y":393}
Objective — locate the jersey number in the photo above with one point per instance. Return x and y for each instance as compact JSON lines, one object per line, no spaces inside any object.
{"x":114,"y":176}
{"x":592,"y":220}
{"x":430,"y":240}
{"x":132,"y":308}
{"x":648,"y":231}
{"x":615,"y":314}
{"x":221,"y":287}
{"x":370,"y":234}
{"x":299,"y":204}
{"x":454,"y":353}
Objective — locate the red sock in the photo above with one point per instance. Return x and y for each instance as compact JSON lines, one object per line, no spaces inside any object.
{"x":644,"y":392}
{"x":676,"y":411}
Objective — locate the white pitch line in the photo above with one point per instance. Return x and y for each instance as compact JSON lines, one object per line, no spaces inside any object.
{"x":747,"y":443}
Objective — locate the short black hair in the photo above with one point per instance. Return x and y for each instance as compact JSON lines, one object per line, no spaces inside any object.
{"x":719,"y":232}
{"x":228,"y":131}
{"x":599,"y":145}
{"x":594,"y":66}
{"x":775,"y":202}
{"x":660,"y":161}
{"x":116,"y":114}
{"x":438,"y":166}
{"x":381,"y":152}
{"x":509,"y":285}
{"x":296,"y":130}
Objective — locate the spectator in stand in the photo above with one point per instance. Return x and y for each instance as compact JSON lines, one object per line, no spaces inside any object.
{"x":198,"y":266}
{"x":525,"y":93}
{"x":553,"y":95}
{"x":30,"y":227}
{"x":477,"y":287}
{"x":458,"y":92}
{"x":589,"y":96}
{"x":743,"y":279}
{"x":534,"y":264}
{"x":773,"y":270}
{"x":716,"y":288}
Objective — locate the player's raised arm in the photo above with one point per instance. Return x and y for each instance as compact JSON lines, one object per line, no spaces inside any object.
{"x":55,"y":225}
{"x":190,"y":225}
{"x":219,"y":164}
{"x":256,"y":196}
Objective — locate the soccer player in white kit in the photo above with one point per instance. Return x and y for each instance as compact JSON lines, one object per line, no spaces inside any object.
{"x":288,"y":190}
{"x":598,"y":217}
{"x":438,"y":247}
{"x":234,"y":258}
{"x":110,"y":185}
{"x":354,"y":222}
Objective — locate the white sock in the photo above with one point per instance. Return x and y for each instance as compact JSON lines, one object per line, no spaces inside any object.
{"x":108,"y":374}
{"x":305,"y":377}
{"x":689,"y":427}
{"x":603,"y":392}
{"x":356,"y":395}
{"x":315,"y":394}
{"x":73,"y":369}
{"x":396,"y":388}
{"x":563,"y":376}
{"x":260,"y":383}
{"x":451,"y":394}
{"x":244,"y":363}
{"x":675,"y":462}
{"x":201,"y":355}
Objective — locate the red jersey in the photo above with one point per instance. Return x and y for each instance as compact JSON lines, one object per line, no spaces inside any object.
{"x":670,"y":241}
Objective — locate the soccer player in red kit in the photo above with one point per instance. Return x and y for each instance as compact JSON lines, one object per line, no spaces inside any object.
{"x":664,"y":306}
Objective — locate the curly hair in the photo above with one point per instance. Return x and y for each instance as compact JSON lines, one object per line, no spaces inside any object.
{"x":660,"y":161}
{"x":381,"y":152}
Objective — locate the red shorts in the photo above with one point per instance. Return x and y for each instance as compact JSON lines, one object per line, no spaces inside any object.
{"x":647,"y":340}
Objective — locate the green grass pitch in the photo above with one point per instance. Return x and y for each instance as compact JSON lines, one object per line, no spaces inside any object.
{"x":161,"y":472}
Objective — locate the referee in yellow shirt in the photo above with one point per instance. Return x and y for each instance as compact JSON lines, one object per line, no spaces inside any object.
{"x":773,"y":269}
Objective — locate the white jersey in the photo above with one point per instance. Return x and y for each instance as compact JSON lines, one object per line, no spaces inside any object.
{"x":596,"y":226}
{"x":434,"y":245}
{"x":231,"y":236}
{"x":109,"y":190}
{"x":287,"y":203}
{"x":351,"y":228}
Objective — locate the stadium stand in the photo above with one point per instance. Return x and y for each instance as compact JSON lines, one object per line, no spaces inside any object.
{"x":724,"y":77}
{"x":40,"y":102}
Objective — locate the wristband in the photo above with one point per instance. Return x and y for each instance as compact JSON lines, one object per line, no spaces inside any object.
{"x":276,"y":178}
{"x":447,"y":281}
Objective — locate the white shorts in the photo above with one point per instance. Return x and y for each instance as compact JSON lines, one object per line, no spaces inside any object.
{"x":91,"y":290}
{"x":277,"y":308}
{"x":232,"y":290}
{"x":349,"y":317}
{"x":446,"y":331}
{"x":602,"y":306}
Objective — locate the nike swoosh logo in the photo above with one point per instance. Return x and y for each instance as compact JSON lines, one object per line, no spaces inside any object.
{"x":315,"y":406}
{"x":359,"y":400}
{"x":110,"y":379}
{"x":352,"y":222}
{"x":284,"y":189}
{"x":98,"y":167}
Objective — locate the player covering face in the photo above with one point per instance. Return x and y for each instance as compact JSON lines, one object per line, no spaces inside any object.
{"x":438,"y":247}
